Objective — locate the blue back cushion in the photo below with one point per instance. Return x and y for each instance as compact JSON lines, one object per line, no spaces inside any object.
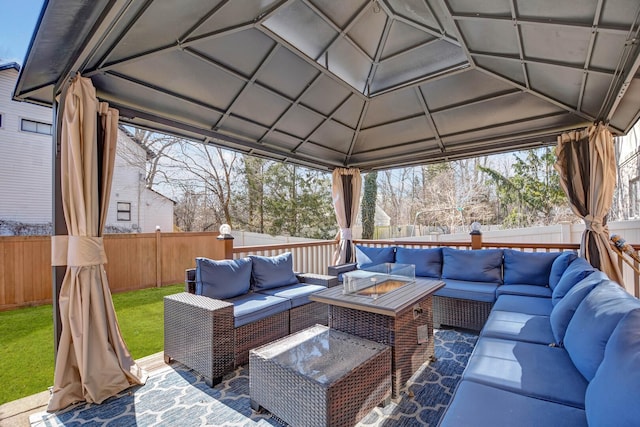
{"x":560,"y":264}
{"x":428,"y":262}
{"x":271,"y":272}
{"x":592,"y":324}
{"x":612,"y":395}
{"x":223,"y":279}
{"x":575,"y":272}
{"x":528,"y":268}
{"x":367,"y":256}
{"x":563,"y":311}
{"x":483,"y":265}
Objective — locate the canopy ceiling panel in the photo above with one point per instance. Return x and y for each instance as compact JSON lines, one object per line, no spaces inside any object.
{"x":371,"y":84}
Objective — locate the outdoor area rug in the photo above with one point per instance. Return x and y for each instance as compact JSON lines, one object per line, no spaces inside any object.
{"x":177,"y":396}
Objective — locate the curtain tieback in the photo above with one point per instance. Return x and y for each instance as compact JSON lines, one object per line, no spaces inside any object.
{"x":77,"y":251}
{"x":345,"y":234}
{"x":593,"y":224}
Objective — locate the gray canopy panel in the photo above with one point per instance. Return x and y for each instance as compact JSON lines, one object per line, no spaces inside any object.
{"x":357,"y":83}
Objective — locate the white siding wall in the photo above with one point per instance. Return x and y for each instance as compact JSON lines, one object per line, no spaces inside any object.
{"x":148,"y":208}
{"x":25,"y":158}
{"x":127,"y":184}
{"x":158,"y":210}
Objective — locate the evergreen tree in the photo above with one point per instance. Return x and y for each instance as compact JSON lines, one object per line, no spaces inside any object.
{"x":369,"y":204}
{"x":533,"y":194}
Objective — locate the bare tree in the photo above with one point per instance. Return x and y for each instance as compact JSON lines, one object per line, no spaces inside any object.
{"x":211,"y":169}
{"x":157,"y":147}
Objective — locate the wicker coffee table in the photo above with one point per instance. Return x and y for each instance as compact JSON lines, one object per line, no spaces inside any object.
{"x":401,"y":318}
{"x":320,"y":377}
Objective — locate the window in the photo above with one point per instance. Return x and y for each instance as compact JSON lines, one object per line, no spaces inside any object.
{"x":124,"y":211}
{"x":36,"y":127}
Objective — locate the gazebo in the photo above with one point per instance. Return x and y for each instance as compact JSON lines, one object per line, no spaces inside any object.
{"x":343,"y":86}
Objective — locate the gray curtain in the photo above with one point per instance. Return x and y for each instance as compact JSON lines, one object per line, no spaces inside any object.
{"x":345,"y":189}
{"x":587,"y":167}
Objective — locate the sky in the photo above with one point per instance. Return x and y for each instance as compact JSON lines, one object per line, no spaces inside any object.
{"x":17,"y":23}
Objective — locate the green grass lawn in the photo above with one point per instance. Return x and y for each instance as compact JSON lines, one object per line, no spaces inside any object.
{"x":26,"y":339}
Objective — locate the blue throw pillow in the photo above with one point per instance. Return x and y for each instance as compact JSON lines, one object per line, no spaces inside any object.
{"x":592,"y":324}
{"x":563,"y":311}
{"x":223,"y":279}
{"x":428,"y":262}
{"x":272,"y":272}
{"x":575,"y":272}
{"x":528,"y":268}
{"x":560,"y":264}
{"x":612,"y":395}
{"x":482,"y":265}
{"x":366,"y":256}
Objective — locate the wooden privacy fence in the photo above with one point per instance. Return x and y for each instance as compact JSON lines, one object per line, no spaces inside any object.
{"x":135,"y":261}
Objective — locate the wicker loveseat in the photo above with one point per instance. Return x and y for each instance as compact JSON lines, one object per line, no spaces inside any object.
{"x":232,"y":306}
{"x":473,"y":279}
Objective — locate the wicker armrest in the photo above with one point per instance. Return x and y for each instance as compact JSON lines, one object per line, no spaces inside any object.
{"x":198,"y":332}
{"x":190,"y":280}
{"x":336,"y":270}
{"x":317,"y":279}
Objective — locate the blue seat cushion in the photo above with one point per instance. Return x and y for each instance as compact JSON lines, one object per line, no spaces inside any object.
{"x":575,"y":272}
{"x":563,"y":311}
{"x":560,"y":264}
{"x":367,"y":256}
{"x":483,"y":265}
{"x":529,"y":268}
{"x":530,"y":369}
{"x":272,"y":271}
{"x":255,"y":306}
{"x":428,"y":262}
{"x":522,"y":304}
{"x":612,"y":395}
{"x":524,"y":290}
{"x":593,"y":322}
{"x":298,"y":294}
{"x":475,"y":291}
{"x":510,"y":325}
{"x":222,"y":279}
{"x":476,"y":404}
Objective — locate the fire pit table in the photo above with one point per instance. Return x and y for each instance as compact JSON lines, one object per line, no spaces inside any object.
{"x":389,"y":305}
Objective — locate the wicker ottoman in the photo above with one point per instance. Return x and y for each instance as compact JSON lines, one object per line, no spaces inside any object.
{"x":320,"y":377}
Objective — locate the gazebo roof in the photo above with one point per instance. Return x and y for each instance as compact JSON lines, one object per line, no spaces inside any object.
{"x":357,"y":83}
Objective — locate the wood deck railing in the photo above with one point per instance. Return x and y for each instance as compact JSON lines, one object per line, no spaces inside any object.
{"x":308,"y":257}
{"x":138,"y":261}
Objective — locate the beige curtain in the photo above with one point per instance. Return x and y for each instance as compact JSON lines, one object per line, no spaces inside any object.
{"x":93,"y":362}
{"x":587,"y":167}
{"x":345,"y":190}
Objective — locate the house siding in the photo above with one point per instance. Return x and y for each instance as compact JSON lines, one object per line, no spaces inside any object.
{"x":25,"y":158}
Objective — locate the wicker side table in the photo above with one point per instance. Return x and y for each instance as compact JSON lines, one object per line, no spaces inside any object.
{"x":320,"y":377}
{"x":198,"y":332}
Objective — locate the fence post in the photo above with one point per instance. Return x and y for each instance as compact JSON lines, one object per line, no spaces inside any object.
{"x":226,"y":239}
{"x":158,"y":258}
{"x":476,"y":236}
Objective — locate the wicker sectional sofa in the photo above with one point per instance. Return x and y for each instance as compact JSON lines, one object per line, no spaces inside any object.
{"x":569,"y":359}
{"x":473,"y":279}
{"x":232,"y":306}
